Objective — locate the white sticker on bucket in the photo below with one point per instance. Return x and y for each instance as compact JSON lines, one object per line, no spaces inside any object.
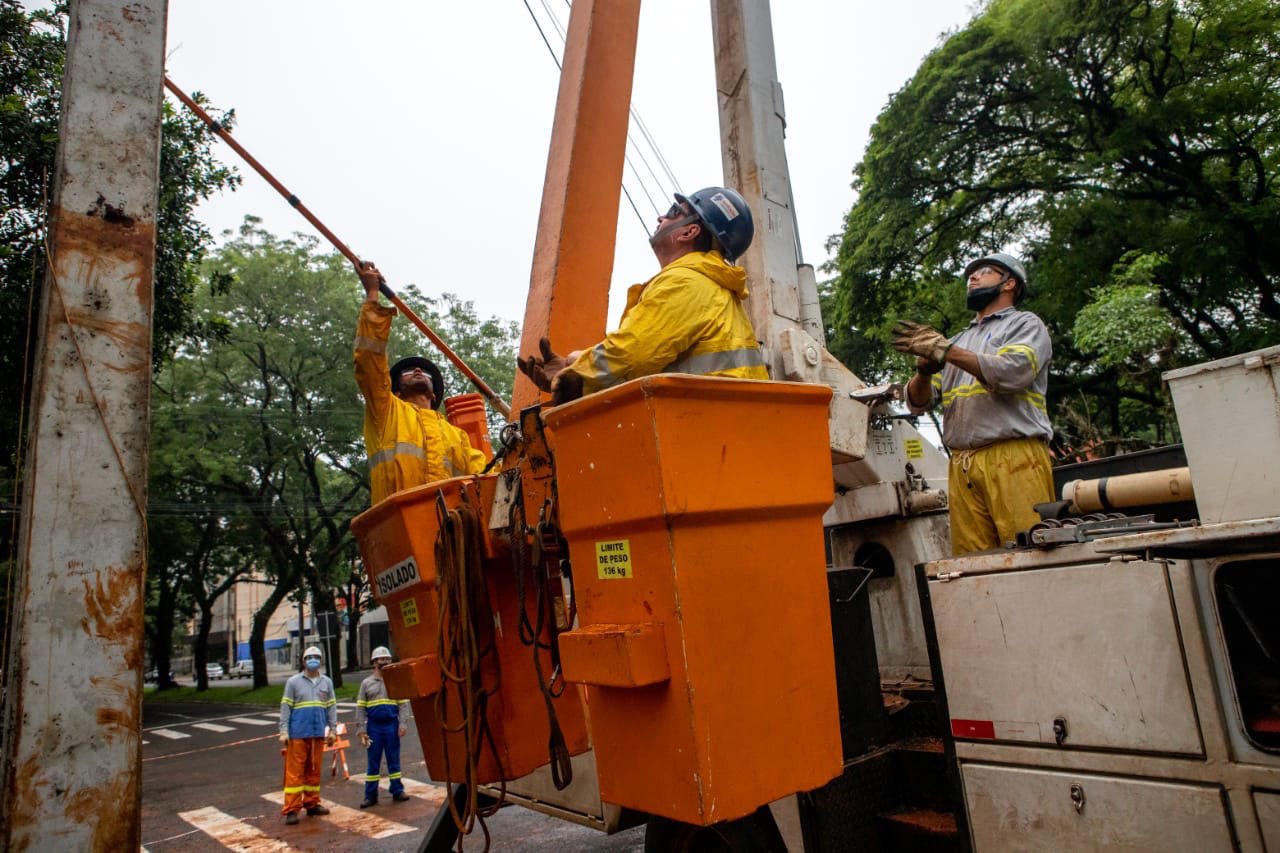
{"x":402,"y":574}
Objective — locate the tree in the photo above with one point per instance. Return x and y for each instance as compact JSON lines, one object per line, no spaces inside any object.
{"x":32,"y":53}
{"x":1082,"y":134}
{"x":266,"y":419}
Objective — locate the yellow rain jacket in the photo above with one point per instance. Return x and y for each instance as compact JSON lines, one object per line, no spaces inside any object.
{"x":689,"y":318}
{"x":407,"y":446}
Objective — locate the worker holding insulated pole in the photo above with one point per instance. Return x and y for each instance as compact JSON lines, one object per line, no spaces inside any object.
{"x":494,"y":400}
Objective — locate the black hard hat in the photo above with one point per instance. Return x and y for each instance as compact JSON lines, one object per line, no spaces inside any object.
{"x":437,"y":381}
{"x":725,"y":213}
{"x":1010,"y":263}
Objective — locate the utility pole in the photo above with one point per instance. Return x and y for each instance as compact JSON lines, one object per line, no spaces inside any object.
{"x":784,"y":291}
{"x":573,"y":253}
{"x":71,"y":748}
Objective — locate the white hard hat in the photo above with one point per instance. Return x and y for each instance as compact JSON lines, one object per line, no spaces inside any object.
{"x":313,"y":651}
{"x":380,"y":652}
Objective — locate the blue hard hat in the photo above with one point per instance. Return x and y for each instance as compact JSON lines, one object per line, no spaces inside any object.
{"x":725,"y":213}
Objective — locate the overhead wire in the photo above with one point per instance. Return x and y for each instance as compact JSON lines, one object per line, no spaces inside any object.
{"x":658,"y":209}
{"x":555,"y":57}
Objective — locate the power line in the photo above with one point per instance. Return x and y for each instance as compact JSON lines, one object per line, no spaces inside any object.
{"x":556,"y":59}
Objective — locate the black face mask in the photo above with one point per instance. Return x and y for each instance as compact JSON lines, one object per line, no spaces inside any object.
{"x":981,"y":297}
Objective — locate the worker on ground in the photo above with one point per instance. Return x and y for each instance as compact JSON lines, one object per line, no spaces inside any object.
{"x":991,"y":380}
{"x":689,"y":318}
{"x":380,"y":727}
{"x":308,"y":721}
{"x":408,"y":441}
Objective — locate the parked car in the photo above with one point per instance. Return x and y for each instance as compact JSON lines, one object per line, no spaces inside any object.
{"x":154,"y":675}
{"x":214,"y":670}
{"x":242,"y":669}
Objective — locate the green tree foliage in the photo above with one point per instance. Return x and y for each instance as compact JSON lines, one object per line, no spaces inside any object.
{"x":1083,"y":134}
{"x":260,"y":422}
{"x":32,"y":53}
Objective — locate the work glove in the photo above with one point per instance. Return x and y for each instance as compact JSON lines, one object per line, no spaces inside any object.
{"x":567,"y":386}
{"x":542,"y":370}
{"x":920,"y":340}
{"x":365,"y":740}
{"x":329,"y":739}
{"x":926,"y":367}
{"x":370,"y":278}
{"x":284,"y":739}
{"x":400,"y":731}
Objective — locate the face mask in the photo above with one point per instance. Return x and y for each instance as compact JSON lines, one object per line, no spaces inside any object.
{"x":313,"y":663}
{"x":980,"y":297}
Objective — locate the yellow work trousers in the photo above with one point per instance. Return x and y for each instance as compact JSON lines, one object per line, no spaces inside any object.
{"x":993,"y":490}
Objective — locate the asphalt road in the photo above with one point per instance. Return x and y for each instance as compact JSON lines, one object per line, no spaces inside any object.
{"x":212,"y":779}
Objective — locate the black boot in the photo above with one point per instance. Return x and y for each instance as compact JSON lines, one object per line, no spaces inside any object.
{"x":368,"y":803}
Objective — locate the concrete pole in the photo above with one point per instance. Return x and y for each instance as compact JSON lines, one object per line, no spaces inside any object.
{"x":753,"y":122}
{"x":71,"y":748}
{"x":573,"y":253}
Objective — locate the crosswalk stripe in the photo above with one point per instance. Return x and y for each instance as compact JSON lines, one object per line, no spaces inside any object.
{"x":213,"y":727}
{"x":352,"y":820}
{"x":170,"y":734}
{"x":251,"y":721}
{"x":232,"y":833}
{"x":413,"y":786}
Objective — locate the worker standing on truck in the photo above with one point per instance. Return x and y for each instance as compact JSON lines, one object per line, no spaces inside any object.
{"x":308,"y":721}
{"x":991,"y":380}
{"x":689,"y":318}
{"x":380,"y":727}
{"x":408,"y":441}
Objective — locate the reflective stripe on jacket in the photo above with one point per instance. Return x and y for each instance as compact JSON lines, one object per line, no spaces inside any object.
{"x":373,"y":704}
{"x":308,"y":706}
{"x":689,"y":318}
{"x":407,"y":446}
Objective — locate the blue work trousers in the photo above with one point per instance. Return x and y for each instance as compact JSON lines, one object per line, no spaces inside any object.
{"x":384,"y":738}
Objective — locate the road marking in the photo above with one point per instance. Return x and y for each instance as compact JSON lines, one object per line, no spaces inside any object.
{"x":352,"y":820}
{"x":170,"y":734}
{"x":208,"y":748}
{"x":232,"y":833}
{"x":251,"y":721}
{"x":426,"y":790}
{"x":213,"y":727}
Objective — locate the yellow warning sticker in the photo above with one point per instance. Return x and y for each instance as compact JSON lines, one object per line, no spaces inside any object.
{"x":613,"y":559}
{"x":409,"y":612}
{"x":914,"y":448}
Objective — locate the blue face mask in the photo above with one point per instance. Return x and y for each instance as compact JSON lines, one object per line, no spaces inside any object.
{"x":313,"y":663}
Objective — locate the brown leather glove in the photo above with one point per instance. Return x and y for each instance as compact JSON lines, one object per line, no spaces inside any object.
{"x":542,"y":370}
{"x":920,"y":340}
{"x":365,"y":740}
{"x":925,"y":367}
{"x":567,"y":386}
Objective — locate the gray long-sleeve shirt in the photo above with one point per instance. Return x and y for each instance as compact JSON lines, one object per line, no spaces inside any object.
{"x":307,"y":706}
{"x":1008,"y":400}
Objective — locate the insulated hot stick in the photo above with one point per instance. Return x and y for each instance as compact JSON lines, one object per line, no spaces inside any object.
{"x":494,"y":400}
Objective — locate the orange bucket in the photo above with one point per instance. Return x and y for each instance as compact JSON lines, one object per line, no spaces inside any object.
{"x":397,"y":540}
{"x":693,"y":510}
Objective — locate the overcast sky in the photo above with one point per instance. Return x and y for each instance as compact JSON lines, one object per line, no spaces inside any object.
{"x":418,"y":131}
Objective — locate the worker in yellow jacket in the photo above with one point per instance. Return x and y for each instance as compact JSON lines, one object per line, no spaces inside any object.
{"x":689,"y":318}
{"x":408,"y":441}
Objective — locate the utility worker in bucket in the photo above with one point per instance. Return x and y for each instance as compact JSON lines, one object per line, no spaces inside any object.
{"x":408,"y":441}
{"x":380,"y":726}
{"x":689,"y":318}
{"x":308,"y":721}
{"x":991,"y":380}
